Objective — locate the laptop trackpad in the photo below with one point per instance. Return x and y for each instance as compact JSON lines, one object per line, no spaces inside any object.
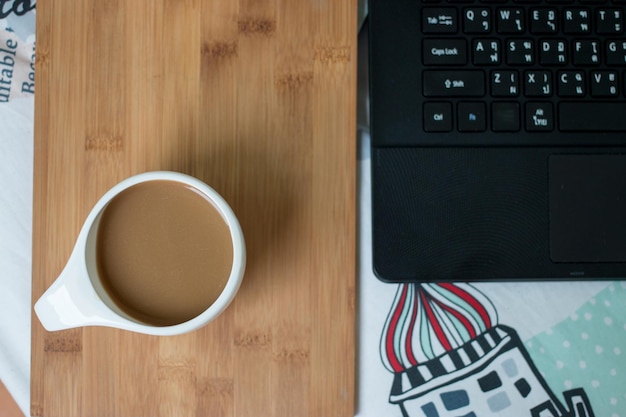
{"x":587,"y":208}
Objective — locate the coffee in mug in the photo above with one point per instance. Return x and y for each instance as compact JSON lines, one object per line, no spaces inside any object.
{"x":163,"y":252}
{"x":160,"y":253}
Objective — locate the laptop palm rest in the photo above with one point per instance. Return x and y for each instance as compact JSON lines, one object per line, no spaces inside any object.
{"x":499,"y":213}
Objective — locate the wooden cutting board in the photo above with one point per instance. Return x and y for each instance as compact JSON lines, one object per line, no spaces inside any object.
{"x":256,"y":98}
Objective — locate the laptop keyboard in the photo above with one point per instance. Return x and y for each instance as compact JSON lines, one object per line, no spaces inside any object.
{"x":524,"y":66}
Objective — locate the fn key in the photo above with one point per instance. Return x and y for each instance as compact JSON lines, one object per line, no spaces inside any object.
{"x":471,"y":117}
{"x":437,"y":117}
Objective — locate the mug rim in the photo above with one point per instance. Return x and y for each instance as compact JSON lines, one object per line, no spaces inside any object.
{"x":233,"y":282}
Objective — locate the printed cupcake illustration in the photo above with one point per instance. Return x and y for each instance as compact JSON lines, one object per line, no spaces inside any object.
{"x":450,"y":357}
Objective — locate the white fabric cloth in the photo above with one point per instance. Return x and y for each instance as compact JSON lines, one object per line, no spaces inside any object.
{"x":16,"y":189}
{"x":17,"y":73}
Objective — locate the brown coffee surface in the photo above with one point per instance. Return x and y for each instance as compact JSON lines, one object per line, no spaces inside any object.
{"x":164,"y":252}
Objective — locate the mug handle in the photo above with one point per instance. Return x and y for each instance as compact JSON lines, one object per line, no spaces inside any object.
{"x":71,"y":301}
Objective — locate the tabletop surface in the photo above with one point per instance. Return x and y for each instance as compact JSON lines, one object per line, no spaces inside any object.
{"x":256,"y":98}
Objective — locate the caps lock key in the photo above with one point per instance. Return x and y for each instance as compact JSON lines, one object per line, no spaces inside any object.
{"x":444,"y":52}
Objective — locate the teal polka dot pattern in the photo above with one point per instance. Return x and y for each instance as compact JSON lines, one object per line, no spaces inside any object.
{"x":588,"y":350}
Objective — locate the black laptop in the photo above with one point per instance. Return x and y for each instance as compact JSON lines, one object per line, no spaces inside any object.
{"x":498,"y":139}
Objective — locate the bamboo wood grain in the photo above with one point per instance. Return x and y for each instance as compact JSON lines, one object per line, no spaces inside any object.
{"x":257,"y":98}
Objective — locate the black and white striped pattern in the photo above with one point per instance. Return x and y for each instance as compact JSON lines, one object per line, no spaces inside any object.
{"x":453,"y":365}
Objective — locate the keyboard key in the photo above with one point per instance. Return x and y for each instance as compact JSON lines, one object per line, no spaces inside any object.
{"x":520,"y":52}
{"x":504,"y":83}
{"x":604,"y":84}
{"x":610,"y":21}
{"x":537,"y":83}
{"x":510,"y":20}
{"x":437,"y":117}
{"x":505,"y":117}
{"x":486,"y":51}
{"x":553,"y":52}
{"x":539,"y":117}
{"x":592,"y":116}
{"x":586,"y":52}
{"x":577,"y":21}
{"x":441,"y":83}
{"x":477,"y":20}
{"x":543,"y":20}
{"x":471,"y":117}
{"x":571,"y":84}
{"x":444,"y":52}
{"x":616,"y":52}
{"x":439,"y":20}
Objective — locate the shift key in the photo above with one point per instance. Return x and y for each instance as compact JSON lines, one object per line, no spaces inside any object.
{"x":442,"y":83}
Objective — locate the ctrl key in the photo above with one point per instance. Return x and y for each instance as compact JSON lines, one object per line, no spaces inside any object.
{"x":437,"y":117}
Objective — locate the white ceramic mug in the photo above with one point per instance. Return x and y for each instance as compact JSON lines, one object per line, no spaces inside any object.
{"x":77,"y":297}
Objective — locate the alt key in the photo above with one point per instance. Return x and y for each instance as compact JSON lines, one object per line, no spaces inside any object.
{"x":539,"y":117}
{"x":438,"y":117}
